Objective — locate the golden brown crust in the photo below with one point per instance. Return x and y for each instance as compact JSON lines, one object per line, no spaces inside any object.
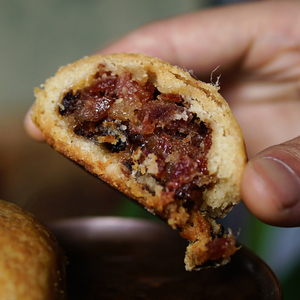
{"x":32,"y":264}
{"x":226,"y":158}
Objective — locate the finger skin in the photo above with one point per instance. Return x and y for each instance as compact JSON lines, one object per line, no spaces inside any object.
{"x":203,"y":40}
{"x":271,"y":185}
{"x":31,"y":129}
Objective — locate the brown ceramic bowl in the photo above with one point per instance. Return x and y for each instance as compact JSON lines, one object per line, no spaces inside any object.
{"x":121,"y":258}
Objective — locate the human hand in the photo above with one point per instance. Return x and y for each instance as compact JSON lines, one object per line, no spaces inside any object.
{"x":257,"y":49}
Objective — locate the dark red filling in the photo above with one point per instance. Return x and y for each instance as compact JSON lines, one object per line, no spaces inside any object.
{"x":221,"y":247}
{"x":130,"y":115}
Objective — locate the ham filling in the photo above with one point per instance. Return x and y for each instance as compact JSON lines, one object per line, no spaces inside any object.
{"x":155,"y":134}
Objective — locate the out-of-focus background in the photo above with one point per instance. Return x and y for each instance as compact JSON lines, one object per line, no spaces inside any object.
{"x":36,"y":38}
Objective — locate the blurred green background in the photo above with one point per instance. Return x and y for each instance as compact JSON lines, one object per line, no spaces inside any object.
{"x":37,"y":37}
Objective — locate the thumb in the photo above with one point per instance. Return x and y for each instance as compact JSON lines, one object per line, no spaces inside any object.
{"x":271,"y":184}
{"x":31,"y":129}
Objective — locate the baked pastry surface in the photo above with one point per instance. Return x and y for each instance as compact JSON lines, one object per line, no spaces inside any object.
{"x":32,"y":264}
{"x":155,"y":133}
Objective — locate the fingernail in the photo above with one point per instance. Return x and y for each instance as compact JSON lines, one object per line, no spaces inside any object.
{"x":281,"y":182}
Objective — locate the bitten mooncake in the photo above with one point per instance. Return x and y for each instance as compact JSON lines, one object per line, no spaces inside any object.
{"x":155,"y":133}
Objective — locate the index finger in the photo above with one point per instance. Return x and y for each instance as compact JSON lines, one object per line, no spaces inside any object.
{"x":244,"y":35}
